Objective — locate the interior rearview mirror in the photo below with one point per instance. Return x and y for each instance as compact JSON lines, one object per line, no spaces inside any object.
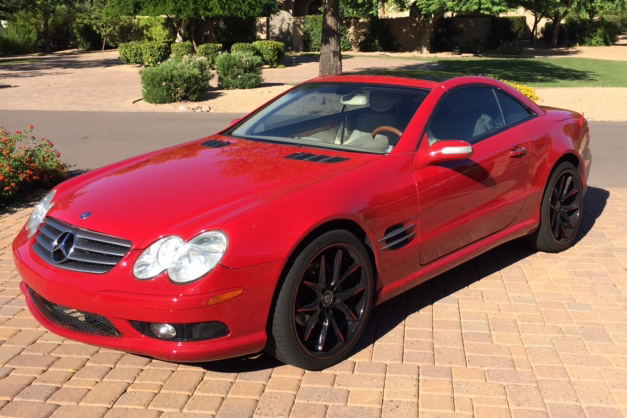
{"x":449,"y":151}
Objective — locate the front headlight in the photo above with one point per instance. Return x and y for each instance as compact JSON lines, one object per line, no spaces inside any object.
{"x":184,"y":261}
{"x":39,"y":213}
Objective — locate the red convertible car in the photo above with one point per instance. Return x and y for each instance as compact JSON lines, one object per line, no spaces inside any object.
{"x":283,"y":231}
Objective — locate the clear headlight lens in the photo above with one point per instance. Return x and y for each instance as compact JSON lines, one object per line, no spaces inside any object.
{"x":184,"y":261}
{"x":39,"y":213}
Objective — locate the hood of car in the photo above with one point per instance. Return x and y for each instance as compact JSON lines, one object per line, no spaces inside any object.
{"x":193,"y":187}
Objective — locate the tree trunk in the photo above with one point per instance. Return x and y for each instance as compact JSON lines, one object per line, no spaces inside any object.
{"x":180,"y":29}
{"x":46,"y":34}
{"x":104,"y":43}
{"x":557,"y":22}
{"x":330,"y":50}
{"x":534,"y":30}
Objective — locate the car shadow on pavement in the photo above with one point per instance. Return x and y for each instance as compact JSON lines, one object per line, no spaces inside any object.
{"x":390,"y":314}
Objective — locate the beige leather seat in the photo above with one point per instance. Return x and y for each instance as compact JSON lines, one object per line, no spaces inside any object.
{"x":382,"y":113}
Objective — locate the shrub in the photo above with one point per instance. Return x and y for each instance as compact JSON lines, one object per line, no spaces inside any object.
{"x":599,"y":33}
{"x":527,"y":91}
{"x":312,"y":34}
{"x":87,"y":38}
{"x":510,"y":48}
{"x":19,"y":37}
{"x":243,"y":47}
{"x":211,"y":52}
{"x":32,"y":165}
{"x":235,"y":29}
{"x":154,"y":53}
{"x":272,"y":52}
{"x":131,"y":53}
{"x":180,"y":49}
{"x":378,"y":37}
{"x":156,"y":29}
{"x":239,"y":70}
{"x":506,"y":29}
{"x":177,"y":79}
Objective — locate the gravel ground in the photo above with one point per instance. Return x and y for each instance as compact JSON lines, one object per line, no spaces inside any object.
{"x":597,"y":103}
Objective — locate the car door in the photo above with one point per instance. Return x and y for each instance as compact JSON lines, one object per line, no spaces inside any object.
{"x":464,"y":201}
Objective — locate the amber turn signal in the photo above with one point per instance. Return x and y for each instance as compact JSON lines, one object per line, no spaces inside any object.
{"x":225,"y":296}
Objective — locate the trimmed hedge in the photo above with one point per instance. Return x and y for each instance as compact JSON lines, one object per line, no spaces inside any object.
{"x":312,"y":34}
{"x":177,"y":79}
{"x":603,"y":32}
{"x":131,"y":53}
{"x":272,"y":52}
{"x":506,"y":29}
{"x":144,"y":53}
{"x":180,"y":49}
{"x":211,"y":52}
{"x":240,"y":70}
{"x":155,"y":53}
{"x":378,"y":37}
{"x":243,"y":47}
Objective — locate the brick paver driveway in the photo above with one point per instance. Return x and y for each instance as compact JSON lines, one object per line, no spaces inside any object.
{"x":512,"y":333}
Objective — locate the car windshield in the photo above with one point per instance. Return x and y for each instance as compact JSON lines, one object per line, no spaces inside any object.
{"x":336,"y":115}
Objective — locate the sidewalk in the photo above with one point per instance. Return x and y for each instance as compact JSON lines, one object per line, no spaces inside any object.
{"x":511,"y":334}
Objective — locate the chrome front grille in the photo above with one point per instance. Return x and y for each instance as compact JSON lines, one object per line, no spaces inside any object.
{"x":89,"y":252}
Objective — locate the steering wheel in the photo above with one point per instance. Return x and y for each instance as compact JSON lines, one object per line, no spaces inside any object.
{"x":387,"y":128}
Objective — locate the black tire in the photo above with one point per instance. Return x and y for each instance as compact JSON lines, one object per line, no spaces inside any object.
{"x":561,"y":211}
{"x":310,"y":316}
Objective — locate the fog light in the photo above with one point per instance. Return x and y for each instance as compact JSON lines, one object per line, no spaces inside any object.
{"x":165,"y":331}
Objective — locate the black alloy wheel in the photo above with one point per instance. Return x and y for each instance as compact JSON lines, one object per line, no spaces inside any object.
{"x":331,"y":300}
{"x":565,"y":207}
{"x":561,"y":210}
{"x":323,"y":302}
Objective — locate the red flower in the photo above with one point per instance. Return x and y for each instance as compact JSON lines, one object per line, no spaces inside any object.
{"x":31,"y":127}
{"x":18,"y":133}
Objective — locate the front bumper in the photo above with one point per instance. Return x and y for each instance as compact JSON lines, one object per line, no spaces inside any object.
{"x":246,"y":315}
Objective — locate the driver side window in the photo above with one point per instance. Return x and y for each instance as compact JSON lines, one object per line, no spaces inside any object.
{"x":468,"y":114}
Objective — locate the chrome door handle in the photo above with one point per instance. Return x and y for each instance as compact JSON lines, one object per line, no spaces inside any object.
{"x":518,"y":152}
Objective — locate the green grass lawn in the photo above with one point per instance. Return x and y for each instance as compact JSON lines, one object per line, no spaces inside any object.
{"x":535,"y":72}
{"x":18,"y":61}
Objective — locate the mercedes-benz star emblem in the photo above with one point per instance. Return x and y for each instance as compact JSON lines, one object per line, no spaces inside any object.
{"x":62,"y":248}
{"x":85,"y":215}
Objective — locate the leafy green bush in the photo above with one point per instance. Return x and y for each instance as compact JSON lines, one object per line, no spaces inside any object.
{"x":506,"y":29}
{"x":599,"y":33}
{"x":240,"y":70}
{"x":378,"y":37}
{"x":61,"y":33}
{"x":211,"y":52}
{"x":156,"y":29}
{"x":312,"y":34}
{"x":19,"y":37}
{"x":31,"y":165}
{"x":154,"y":53}
{"x":509,"y":48}
{"x":180,"y":49}
{"x":87,"y":39}
{"x":243,"y":47}
{"x":177,"y":79}
{"x":272,"y":52}
{"x":235,"y":29}
{"x":131,"y":53}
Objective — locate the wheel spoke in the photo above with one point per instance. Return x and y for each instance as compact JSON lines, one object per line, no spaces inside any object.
{"x":322,"y":272}
{"x":310,"y":307}
{"x":313,"y":320}
{"x":316,"y":287}
{"x":336,"y":328}
{"x":324,"y":331}
{"x":348,"y":313}
{"x":337,"y":264}
{"x":345,"y":294}
{"x":568,"y":181}
{"x":555,"y":225}
{"x":562,"y":227}
{"x":570,"y":207}
{"x":566,"y":219}
{"x":571,"y":194}
{"x":351,"y":270}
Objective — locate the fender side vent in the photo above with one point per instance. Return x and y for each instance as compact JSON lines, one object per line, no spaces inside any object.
{"x":397,"y":236}
{"x":216,"y":143}
{"x":317,"y":158}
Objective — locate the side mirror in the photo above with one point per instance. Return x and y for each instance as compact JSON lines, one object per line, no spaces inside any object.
{"x":449,"y":151}
{"x":236,"y":121}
